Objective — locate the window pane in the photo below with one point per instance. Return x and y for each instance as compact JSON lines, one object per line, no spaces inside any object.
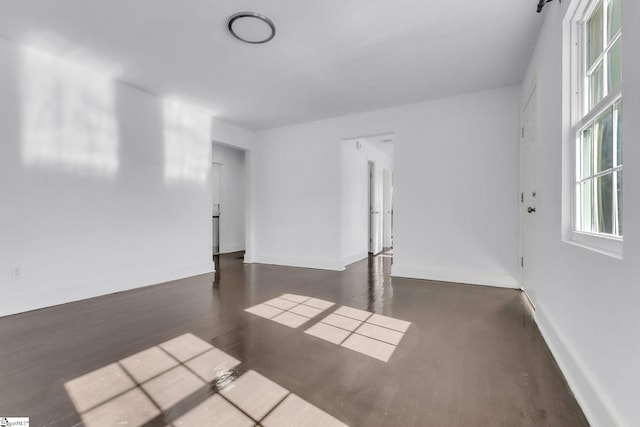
{"x":615,"y":66}
{"x":619,"y":202}
{"x":587,"y":206}
{"x":614,"y":18}
{"x":604,"y":203}
{"x":595,"y":86}
{"x":594,"y":31}
{"x":604,"y":141}
{"x":587,"y":153}
{"x":618,"y":108}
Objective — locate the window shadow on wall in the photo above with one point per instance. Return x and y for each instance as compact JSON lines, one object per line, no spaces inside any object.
{"x":68,"y":119}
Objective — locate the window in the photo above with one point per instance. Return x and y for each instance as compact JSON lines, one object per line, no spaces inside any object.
{"x":597,"y":122}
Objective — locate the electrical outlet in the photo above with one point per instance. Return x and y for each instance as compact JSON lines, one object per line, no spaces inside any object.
{"x":16,"y":272}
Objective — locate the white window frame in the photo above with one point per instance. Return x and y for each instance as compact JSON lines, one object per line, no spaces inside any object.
{"x":582,"y":118}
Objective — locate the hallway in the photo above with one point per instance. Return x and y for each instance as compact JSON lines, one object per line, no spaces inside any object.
{"x":472,"y":355}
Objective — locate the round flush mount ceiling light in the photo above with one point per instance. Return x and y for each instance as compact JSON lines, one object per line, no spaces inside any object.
{"x":251,"y":27}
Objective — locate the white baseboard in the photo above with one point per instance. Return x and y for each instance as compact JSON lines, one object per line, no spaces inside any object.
{"x":290,"y":261}
{"x":483,"y":278}
{"x":66,"y":292}
{"x":355,"y":257}
{"x":591,"y":399}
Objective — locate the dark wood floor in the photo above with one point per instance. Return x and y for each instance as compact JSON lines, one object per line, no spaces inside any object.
{"x":472,"y":357}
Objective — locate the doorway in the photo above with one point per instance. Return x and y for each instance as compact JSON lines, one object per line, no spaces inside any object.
{"x":216,"y":187}
{"x":387,"y":207}
{"x":376,"y":226}
{"x":366,"y":203}
{"x":228,"y":179}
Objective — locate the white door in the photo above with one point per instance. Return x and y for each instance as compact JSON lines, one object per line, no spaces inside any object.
{"x":387,"y":208}
{"x":216,"y":186}
{"x":375,"y":209}
{"x":528,"y":194}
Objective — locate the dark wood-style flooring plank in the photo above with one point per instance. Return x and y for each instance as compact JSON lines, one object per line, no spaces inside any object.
{"x":473,"y":355}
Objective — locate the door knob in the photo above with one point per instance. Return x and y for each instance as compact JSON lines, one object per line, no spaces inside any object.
{"x":530,"y":209}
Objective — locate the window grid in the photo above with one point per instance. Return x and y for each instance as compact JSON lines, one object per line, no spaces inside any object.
{"x":599,"y":97}
{"x":602,"y":59}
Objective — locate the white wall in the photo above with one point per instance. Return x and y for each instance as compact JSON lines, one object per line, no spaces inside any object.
{"x":231,"y":135}
{"x":455,"y":188}
{"x":587,"y":302}
{"x":296,"y":184}
{"x":456,"y":191}
{"x":355,"y":194}
{"x":103,"y":187}
{"x":232,"y":197}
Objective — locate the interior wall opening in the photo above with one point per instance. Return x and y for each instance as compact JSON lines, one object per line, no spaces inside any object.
{"x":228,"y":202}
{"x":367,"y":196}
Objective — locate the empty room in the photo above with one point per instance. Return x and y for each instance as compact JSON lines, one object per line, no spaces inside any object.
{"x":319,"y":213}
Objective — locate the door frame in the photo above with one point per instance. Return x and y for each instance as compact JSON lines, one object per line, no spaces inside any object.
{"x":376,"y":200}
{"x":528,"y":197}
{"x":370,"y":204}
{"x":387,"y":208}
{"x":222,"y":190}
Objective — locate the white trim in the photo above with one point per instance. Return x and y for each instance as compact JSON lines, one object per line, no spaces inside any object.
{"x":355,"y":257}
{"x":603,"y":244}
{"x":292,"y":261}
{"x":590,"y":396}
{"x":85,"y":289}
{"x":528,"y":299}
{"x":221,"y":197}
{"x":598,"y":110}
{"x":533,"y":91}
{"x":483,"y":278}
{"x":574,"y":29}
{"x":533,"y":87}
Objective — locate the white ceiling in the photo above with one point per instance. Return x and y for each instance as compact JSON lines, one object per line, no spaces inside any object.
{"x":329,"y":57}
